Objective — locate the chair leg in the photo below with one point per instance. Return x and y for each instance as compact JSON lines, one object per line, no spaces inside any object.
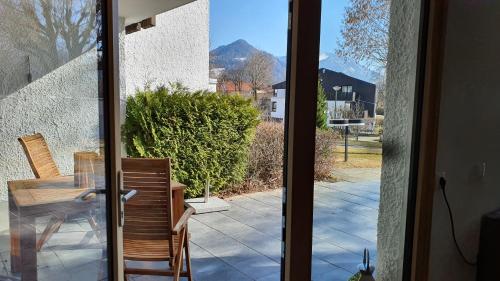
{"x":188,"y":257}
{"x":52,"y":227}
{"x":178,"y":260}
{"x":95,"y":228}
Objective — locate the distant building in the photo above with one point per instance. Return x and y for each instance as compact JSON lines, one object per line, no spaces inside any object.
{"x":228,"y":87}
{"x":352,"y":92}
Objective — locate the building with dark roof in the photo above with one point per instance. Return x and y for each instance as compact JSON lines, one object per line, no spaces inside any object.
{"x":353,"y":92}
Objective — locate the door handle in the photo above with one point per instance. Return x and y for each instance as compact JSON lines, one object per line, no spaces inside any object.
{"x":125,"y":196}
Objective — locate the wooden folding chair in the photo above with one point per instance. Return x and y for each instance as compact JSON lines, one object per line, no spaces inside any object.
{"x":149,"y":233}
{"x":44,"y":167}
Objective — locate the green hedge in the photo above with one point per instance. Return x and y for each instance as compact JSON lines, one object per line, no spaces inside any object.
{"x":207,"y":135}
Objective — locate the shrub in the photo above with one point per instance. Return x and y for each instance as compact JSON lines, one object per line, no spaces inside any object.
{"x":265,"y":169}
{"x":321,"y":108}
{"x":206,"y":135}
{"x":266,"y":156}
{"x":324,"y":154}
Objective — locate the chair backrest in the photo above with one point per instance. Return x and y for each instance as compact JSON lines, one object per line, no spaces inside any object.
{"x":37,"y":151}
{"x":148,"y":215}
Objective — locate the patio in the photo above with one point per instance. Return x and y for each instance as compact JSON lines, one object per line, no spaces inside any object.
{"x":243,"y":243}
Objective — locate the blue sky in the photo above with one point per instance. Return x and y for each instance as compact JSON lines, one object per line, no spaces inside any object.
{"x":263,"y":23}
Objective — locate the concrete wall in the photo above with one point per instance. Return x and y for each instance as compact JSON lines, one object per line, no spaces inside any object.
{"x":175,"y":50}
{"x":401,"y":74}
{"x":468,"y":134}
{"x":63,"y":106}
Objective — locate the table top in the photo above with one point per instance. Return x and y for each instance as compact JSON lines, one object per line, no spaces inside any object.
{"x":35,"y":192}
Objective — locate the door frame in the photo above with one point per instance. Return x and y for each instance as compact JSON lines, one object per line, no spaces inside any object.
{"x":305,"y":23}
{"x":300,"y":137}
{"x":111,"y":85}
{"x":424,"y":152}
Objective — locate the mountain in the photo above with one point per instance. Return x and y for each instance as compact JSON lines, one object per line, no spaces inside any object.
{"x":234,"y":55}
{"x":347,"y":66}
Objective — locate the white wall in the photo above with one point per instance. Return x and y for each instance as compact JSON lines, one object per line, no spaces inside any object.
{"x":175,"y":50}
{"x":280,"y":107}
{"x":469,"y":133}
{"x":401,"y":79}
{"x":63,"y":106}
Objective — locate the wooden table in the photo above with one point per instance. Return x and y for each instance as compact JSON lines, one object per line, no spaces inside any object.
{"x":30,"y":199}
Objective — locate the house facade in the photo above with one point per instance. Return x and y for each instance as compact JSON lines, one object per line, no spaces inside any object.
{"x":353,"y":95}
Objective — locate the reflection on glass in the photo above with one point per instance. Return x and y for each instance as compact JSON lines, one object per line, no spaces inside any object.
{"x":40,"y":36}
{"x":52,"y":175}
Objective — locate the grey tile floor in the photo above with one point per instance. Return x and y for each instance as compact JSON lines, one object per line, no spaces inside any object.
{"x":241,"y":244}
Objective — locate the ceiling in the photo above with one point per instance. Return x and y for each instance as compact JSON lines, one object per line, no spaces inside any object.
{"x":137,"y":10}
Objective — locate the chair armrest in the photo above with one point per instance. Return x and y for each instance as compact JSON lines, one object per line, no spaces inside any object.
{"x":183,"y":221}
{"x":86,"y":195}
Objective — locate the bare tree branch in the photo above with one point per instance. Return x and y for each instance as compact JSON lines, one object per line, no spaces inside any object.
{"x":259,"y":71}
{"x":365,"y":32}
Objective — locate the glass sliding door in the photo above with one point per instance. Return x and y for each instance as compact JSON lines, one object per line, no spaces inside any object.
{"x":53,"y":202}
{"x":365,"y":138}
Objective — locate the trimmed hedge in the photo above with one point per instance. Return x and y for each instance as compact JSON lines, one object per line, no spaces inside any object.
{"x":207,"y":135}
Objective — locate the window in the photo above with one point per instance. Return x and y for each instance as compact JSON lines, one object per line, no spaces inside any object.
{"x":275,"y":93}
{"x":273,"y":106}
{"x":346,"y":89}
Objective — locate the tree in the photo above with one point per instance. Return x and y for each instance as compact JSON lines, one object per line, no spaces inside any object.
{"x":381,"y":88}
{"x":322,"y":108}
{"x":48,"y":33}
{"x":259,"y":71}
{"x":237,"y":77}
{"x":221,"y":81}
{"x":365,"y":32}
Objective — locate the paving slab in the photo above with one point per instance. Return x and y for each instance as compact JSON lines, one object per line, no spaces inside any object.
{"x":243,"y":243}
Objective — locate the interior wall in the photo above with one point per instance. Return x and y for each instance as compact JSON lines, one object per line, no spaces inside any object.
{"x":469,"y":134}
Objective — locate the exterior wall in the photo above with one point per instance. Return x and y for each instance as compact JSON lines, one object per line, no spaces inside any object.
{"x":401,"y":74}
{"x":331,"y":108}
{"x":175,"y":50}
{"x":280,"y":93}
{"x":468,"y":135}
{"x":63,"y":106}
{"x":279,"y":114}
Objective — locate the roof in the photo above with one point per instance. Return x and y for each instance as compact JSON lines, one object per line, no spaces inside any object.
{"x":330,"y":78}
{"x":230,"y":87}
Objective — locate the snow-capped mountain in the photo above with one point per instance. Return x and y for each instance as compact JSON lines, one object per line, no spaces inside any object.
{"x":347,"y":66}
{"x":235,"y":54}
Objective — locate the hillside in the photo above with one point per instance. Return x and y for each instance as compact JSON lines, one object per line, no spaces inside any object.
{"x":235,"y":54}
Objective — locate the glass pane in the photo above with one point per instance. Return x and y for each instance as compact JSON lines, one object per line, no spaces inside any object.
{"x":225,"y":143}
{"x":52,"y":174}
{"x":351,"y":191}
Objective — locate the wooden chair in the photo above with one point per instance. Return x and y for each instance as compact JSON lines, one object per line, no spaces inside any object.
{"x":44,"y":167}
{"x":149,"y":233}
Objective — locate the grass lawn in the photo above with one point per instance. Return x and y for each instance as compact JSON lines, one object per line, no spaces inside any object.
{"x":373,"y":144}
{"x":358,"y":158}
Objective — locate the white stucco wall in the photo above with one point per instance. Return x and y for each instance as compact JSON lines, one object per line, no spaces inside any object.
{"x":280,"y":107}
{"x":469,"y":135}
{"x":175,"y":50}
{"x":63,"y":106}
{"x":401,"y":79}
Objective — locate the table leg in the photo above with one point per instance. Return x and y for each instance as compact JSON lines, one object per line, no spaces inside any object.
{"x":28,"y":248}
{"x":14,"y":227}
